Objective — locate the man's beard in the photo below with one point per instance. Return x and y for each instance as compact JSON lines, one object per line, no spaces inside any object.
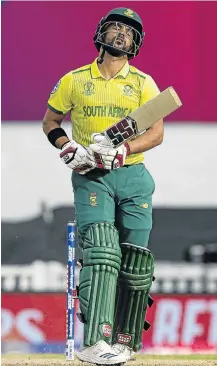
{"x":115,"y":50}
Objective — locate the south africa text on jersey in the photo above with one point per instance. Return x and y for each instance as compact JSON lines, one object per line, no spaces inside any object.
{"x":105,"y":111}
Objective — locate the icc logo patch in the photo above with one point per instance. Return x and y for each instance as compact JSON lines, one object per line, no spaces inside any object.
{"x":56,"y":87}
{"x":89,"y":88}
{"x":128,"y":91}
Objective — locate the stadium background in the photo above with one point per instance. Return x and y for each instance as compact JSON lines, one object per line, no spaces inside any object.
{"x":41,"y":41}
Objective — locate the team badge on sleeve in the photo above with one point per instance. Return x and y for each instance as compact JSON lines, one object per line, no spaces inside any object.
{"x":56,"y":87}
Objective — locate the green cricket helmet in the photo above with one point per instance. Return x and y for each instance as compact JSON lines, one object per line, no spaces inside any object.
{"x":124,"y":16}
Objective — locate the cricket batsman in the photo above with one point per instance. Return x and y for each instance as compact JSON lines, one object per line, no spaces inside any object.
{"x":112,"y":188}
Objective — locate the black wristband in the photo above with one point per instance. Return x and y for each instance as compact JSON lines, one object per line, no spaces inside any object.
{"x":55,"y":134}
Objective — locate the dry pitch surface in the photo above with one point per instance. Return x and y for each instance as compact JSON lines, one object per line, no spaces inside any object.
{"x":141,"y":360}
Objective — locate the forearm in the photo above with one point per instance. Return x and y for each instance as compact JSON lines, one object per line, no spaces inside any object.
{"x":51,"y":122}
{"x":51,"y":125}
{"x":148,"y":140}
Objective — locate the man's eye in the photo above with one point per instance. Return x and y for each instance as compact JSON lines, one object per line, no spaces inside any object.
{"x":117,"y":26}
{"x":128,"y":31}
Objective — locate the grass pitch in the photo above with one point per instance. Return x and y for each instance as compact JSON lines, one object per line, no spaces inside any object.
{"x":141,"y":360}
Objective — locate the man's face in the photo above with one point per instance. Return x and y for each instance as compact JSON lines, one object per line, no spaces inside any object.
{"x":119,"y":36}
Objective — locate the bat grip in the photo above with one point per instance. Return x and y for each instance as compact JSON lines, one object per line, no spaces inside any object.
{"x":99,"y":138}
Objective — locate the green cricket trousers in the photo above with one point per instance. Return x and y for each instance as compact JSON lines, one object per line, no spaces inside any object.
{"x":122,"y":197}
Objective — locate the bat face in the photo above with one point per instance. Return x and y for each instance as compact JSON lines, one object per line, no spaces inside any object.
{"x":156,"y":109}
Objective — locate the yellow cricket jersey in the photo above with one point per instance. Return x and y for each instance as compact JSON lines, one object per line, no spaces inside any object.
{"x":96,"y":103}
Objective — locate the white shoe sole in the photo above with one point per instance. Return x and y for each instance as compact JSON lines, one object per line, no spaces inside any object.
{"x":102,"y":361}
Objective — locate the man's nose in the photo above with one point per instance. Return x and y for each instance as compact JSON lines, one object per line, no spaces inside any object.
{"x":123,"y":28}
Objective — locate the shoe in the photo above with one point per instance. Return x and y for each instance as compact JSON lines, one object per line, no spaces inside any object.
{"x":122,"y":349}
{"x":101,"y":354}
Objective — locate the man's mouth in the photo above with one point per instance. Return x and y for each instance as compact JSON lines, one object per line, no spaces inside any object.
{"x":120,"y":37}
{"x":119,"y":40}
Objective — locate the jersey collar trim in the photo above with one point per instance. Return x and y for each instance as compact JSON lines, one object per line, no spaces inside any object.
{"x":95,"y":73}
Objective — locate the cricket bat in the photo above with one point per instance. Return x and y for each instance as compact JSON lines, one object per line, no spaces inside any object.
{"x":142,"y":118}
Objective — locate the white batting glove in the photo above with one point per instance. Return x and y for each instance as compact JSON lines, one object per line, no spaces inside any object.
{"x":77,"y":157}
{"x":99,"y":138}
{"x":107,"y":157}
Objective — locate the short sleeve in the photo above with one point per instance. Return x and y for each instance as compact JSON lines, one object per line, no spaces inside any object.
{"x":149,"y":90}
{"x":60,"y":100}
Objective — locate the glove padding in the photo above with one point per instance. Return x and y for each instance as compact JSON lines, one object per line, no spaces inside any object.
{"x":107,"y":157}
{"x":77,"y":157}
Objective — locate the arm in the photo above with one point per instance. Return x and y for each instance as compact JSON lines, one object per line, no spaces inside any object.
{"x":148,"y":140}
{"x":52,"y":121}
{"x":59,"y":104}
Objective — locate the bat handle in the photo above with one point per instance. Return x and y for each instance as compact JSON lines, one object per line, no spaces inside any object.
{"x":99,"y":138}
